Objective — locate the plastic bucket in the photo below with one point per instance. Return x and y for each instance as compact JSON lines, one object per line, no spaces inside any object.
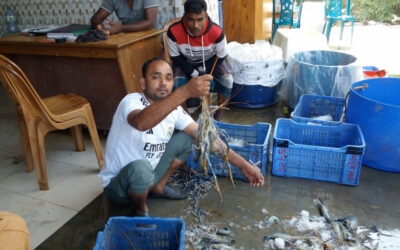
{"x":254,"y":96}
{"x":376,"y":109}
{"x":320,"y":72}
{"x":373,"y":72}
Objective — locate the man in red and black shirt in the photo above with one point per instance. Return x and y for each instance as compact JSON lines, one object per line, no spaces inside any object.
{"x":195,"y":43}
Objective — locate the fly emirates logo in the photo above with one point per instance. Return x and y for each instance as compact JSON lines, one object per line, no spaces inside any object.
{"x":154,"y":150}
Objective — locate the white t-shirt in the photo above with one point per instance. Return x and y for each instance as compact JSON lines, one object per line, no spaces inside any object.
{"x":126,"y":144}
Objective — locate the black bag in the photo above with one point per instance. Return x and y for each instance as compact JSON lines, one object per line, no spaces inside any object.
{"x":91,"y":36}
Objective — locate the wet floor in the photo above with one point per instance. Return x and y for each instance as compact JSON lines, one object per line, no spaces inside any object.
{"x":375,"y":201}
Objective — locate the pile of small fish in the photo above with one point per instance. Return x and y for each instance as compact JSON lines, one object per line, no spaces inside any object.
{"x":313,"y":232}
{"x":324,"y":232}
{"x":209,"y":237}
{"x":203,"y":235}
{"x":196,"y":186}
{"x":327,"y":118}
{"x":237,"y":142}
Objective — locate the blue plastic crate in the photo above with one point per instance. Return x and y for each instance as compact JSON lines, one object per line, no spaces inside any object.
{"x":257,"y":137}
{"x":320,"y":152}
{"x":142,"y":233}
{"x":316,"y":105}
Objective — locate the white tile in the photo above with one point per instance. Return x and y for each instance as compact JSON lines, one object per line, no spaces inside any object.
{"x":61,"y":148}
{"x":20,"y":181}
{"x":9,"y":132}
{"x":26,"y":183}
{"x":10,"y":164}
{"x":13,"y":202}
{"x":43,"y":219}
{"x":6,"y":104}
{"x":76,"y":190}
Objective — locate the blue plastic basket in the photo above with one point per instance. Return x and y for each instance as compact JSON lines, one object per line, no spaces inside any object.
{"x":320,"y":152}
{"x":257,"y":138}
{"x":311,"y":106}
{"x":142,"y":233}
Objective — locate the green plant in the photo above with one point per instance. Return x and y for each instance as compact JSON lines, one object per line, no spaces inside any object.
{"x":381,"y":11}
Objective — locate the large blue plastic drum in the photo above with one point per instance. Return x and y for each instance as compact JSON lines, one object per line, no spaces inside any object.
{"x":376,"y":109}
{"x":254,"y":96}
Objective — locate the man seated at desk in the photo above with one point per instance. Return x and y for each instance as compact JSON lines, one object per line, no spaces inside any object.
{"x":142,"y":151}
{"x":135,"y":15}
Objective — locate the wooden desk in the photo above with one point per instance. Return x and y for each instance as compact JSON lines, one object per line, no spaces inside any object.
{"x":103,"y":72}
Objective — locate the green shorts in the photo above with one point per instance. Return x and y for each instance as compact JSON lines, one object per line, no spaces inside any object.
{"x":138,"y":176}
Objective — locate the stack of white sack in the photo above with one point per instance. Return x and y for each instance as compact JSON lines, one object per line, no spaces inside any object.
{"x":255,"y":64}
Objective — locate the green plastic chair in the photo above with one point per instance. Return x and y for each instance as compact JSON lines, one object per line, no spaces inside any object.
{"x":333,"y":14}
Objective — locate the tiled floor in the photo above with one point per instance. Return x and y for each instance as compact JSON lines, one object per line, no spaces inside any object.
{"x":241,"y":208}
{"x":72,"y":177}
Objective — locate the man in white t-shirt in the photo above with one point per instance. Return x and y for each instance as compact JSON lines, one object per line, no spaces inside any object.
{"x":142,"y":150}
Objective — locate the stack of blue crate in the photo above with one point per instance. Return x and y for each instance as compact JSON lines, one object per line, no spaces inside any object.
{"x":321,"y":150}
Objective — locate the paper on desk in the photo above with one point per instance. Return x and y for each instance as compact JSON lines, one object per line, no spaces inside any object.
{"x":68,"y":36}
{"x":41,"y":30}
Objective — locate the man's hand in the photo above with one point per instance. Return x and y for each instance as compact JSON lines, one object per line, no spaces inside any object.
{"x":198,"y":86}
{"x":115,"y":28}
{"x":111,"y":28}
{"x":252,"y":172}
{"x":254,"y":175}
{"x":103,"y":28}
